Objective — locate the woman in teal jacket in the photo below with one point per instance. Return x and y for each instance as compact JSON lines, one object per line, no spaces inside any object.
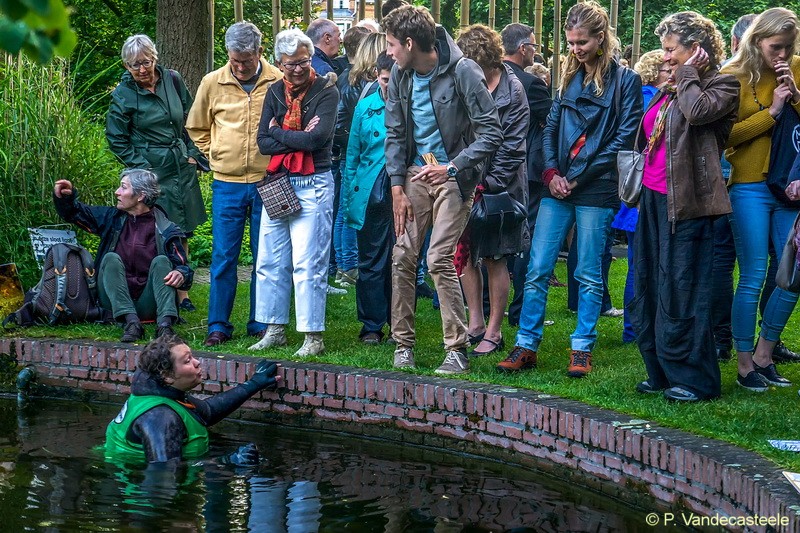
{"x":367,"y":205}
{"x":144,"y":129}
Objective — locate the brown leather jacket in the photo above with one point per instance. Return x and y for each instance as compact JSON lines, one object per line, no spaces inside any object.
{"x":697,"y":129}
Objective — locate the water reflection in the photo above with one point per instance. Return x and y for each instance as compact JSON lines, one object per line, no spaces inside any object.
{"x":51,"y":479}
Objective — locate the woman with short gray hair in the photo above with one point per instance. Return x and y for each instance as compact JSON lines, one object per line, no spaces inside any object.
{"x":138,"y":45}
{"x":288,"y":41}
{"x":144,"y":129}
{"x":296,"y":129}
{"x":145,"y":183}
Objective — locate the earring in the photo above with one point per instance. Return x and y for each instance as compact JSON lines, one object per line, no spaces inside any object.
{"x":599,"y":51}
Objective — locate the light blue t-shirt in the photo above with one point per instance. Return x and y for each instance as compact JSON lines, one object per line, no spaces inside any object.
{"x":426,"y":130}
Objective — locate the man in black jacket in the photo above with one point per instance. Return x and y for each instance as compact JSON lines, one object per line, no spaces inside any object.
{"x":142,"y":262}
{"x":519,"y":46}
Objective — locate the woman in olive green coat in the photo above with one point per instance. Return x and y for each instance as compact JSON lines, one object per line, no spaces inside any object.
{"x":144,"y":128}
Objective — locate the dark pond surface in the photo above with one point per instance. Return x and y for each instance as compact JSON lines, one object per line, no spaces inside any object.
{"x":52,"y":479}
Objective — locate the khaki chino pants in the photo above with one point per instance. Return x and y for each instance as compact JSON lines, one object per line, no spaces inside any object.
{"x":442,"y":207}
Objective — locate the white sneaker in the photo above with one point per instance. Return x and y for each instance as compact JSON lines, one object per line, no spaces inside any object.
{"x":613,"y":312}
{"x":312,"y":345}
{"x":455,"y":362}
{"x":274,"y":336}
{"x":404,"y":358}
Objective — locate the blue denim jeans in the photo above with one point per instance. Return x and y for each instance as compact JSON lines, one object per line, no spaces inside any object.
{"x":345,"y":243}
{"x":758,"y":217}
{"x":552,"y":225}
{"x":232,"y":204}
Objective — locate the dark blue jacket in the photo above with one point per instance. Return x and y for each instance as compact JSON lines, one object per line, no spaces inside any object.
{"x":107,"y":223}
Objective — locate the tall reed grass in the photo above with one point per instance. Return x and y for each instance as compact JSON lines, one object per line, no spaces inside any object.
{"x":44,"y":136}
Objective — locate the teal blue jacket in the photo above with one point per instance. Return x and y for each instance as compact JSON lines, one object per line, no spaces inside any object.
{"x":365,"y":158}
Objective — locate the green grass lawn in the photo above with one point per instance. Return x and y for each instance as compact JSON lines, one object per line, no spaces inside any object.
{"x":741,"y":417}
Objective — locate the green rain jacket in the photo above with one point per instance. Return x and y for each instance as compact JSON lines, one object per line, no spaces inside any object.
{"x":146,"y":130}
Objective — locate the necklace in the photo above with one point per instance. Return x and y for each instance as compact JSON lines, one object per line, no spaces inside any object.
{"x":761,"y":107}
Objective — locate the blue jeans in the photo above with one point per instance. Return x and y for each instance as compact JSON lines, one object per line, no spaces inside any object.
{"x":758,"y":217}
{"x":552,"y":225}
{"x":345,"y":243}
{"x":232,"y":204}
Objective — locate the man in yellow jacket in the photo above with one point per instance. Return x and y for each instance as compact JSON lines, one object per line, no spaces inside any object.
{"x":223,"y":123}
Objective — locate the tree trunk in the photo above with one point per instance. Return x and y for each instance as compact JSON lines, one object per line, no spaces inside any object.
{"x":182,"y":29}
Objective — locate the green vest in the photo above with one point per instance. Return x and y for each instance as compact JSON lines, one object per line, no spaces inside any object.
{"x":118,"y":446}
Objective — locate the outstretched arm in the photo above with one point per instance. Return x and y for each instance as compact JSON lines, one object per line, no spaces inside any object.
{"x":221,"y":405}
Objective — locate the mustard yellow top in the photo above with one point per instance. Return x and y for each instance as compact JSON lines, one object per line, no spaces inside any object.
{"x":750,"y":141}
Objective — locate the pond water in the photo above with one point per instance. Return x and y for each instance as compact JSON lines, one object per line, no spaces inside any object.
{"x":53,"y":479}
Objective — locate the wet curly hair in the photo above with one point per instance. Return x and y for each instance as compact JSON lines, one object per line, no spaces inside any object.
{"x":648,"y":66}
{"x":483,"y":45}
{"x":156,"y":358}
{"x":691,"y":27}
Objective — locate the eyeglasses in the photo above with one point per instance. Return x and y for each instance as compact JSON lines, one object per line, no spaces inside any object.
{"x":530,"y":44}
{"x":147,"y":63}
{"x":300,"y":64}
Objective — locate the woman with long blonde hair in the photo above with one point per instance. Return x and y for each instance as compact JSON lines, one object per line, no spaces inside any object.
{"x":766,"y":67}
{"x":594,"y":115}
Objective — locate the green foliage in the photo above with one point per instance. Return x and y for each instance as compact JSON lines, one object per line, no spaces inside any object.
{"x":44,"y":136}
{"x":39,"y":28}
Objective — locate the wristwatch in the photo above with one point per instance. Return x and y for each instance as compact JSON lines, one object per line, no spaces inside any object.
{"x":452,"y":170}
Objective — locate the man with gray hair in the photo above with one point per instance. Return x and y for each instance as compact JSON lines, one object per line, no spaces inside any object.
{"x":519,"y":48}
{"x":142,"y":262}
{"x":738,"y":29}
{"x":223,"y":123}
{"x":327,"y":38}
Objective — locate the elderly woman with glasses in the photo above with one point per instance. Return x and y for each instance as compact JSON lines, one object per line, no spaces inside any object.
{"x":144,"y":128}
{"x":296,"y":129}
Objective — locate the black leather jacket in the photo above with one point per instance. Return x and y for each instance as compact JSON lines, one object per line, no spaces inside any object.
{"x":579,"y":111}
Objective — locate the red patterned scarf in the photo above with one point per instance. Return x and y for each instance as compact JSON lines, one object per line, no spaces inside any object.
{"x":295,"y":162}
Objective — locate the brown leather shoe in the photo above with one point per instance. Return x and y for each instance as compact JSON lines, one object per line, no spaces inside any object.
{"x":215,"y":338}
{"x":580,"y":363}
{"x":518,"y":359}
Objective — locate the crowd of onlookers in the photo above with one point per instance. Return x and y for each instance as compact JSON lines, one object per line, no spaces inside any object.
{"x":415,"y":154}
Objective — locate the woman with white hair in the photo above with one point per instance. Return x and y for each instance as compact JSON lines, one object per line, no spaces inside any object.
{"x":296,"y":129}
{"x":144,"y":129}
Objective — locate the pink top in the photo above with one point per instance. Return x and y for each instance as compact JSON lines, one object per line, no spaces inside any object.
{"x":654,"y":176}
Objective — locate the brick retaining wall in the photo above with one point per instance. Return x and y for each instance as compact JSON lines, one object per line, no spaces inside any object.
{"x":632,"y":457}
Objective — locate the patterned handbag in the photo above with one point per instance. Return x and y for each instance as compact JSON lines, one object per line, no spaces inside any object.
{"x":278,"y":195}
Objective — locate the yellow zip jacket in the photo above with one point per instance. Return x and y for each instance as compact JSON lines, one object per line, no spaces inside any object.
{"x":223,"y":123}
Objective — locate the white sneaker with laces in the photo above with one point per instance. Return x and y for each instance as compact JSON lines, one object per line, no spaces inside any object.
{"x":404,"y":358}
{"x":455,"y":362}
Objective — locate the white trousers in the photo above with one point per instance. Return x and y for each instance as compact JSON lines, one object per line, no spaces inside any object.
{"x":295,"y":249}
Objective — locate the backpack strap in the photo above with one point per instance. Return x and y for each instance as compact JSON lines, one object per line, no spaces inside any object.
{"x":59,"y":253}
{"x":366,"y":89}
